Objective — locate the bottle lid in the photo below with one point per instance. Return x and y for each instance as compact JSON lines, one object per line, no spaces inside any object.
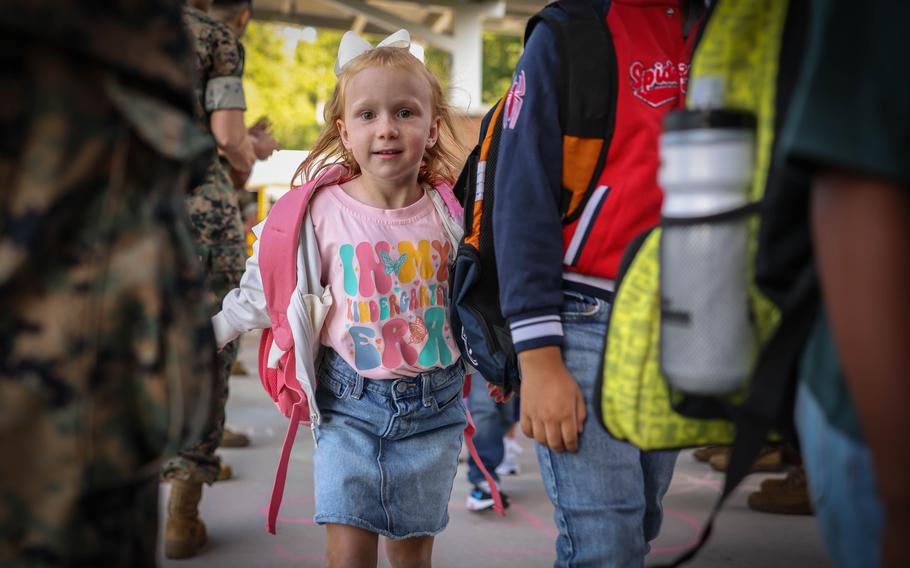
{"x":709,"y":118}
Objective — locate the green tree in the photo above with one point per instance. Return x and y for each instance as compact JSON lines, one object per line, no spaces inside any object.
{"x":290,"y":88}
{"x":500,"y":56}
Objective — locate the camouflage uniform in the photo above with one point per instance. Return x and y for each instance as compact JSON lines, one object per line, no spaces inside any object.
{"x":102,"y":302}
{"x":216,"y":221}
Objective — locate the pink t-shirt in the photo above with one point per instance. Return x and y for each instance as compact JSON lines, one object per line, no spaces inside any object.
{"x":388,"y":269}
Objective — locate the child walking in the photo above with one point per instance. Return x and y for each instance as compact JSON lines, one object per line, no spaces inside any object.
{"x":378,"y":237}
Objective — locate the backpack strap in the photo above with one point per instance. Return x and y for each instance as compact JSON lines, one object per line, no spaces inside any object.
{"x":588,"y":118}
{"x":280,"y":237}
{"x":469,"y":432}
{"x":281,"y":473}
{"x":278,"y":269}
{"x":445,"y":191}
{"x":481,"y":168}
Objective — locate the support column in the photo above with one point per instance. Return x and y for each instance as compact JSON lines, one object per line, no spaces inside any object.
{"x":467,"y":55}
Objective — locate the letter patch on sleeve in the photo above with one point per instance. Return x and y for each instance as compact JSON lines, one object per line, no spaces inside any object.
{"x":513,"y":101}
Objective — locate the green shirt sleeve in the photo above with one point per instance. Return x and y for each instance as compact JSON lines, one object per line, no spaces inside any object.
{"x":851,"y":108}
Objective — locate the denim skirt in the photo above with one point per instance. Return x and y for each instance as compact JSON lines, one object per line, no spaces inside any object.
{"x":387,"y":450}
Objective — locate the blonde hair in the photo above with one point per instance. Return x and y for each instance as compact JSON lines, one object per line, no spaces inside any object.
{"x":442,"y":162}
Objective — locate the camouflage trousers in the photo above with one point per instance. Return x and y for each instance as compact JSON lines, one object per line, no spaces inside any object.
{"x":218,"y":231}
{"x":198,"y":462}
{"x":106,"y":348}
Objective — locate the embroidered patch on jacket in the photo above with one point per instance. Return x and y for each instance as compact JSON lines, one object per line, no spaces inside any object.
{"x":513,"y":101}
{"x":659,"y":83}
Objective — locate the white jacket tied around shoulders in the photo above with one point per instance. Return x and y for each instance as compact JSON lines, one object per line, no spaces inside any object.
{"x":244,"y":308}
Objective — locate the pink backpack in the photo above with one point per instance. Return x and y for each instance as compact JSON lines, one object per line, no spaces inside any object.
{"x":278,"y":270}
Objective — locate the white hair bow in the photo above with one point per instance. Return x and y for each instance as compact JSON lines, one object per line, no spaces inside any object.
{"x":353,"y":46}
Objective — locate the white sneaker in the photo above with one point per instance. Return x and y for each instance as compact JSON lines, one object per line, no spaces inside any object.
{"x":512,"y":446}
{"x":509,"y":464}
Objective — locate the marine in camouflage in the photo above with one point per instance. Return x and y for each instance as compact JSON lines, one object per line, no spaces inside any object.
{"x":106,"y":350}
{"x":217,"y":225}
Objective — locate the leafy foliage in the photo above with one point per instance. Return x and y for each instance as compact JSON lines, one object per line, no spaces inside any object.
{"x":500,"y":56}
{"x":290,"y":87}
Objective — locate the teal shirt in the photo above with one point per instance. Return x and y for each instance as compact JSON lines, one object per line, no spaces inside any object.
{"x":851,"y":109}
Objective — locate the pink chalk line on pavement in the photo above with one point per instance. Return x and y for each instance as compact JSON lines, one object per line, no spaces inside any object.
{"x":535,"y":521}
{"x":687,"y":520}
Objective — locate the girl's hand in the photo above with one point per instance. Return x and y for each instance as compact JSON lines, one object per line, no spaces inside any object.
{"x":497,"y":393}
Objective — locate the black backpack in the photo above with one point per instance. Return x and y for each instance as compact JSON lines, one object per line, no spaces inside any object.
{"x":588,"y":71}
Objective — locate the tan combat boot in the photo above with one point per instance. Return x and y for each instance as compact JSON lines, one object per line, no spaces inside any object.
{"x":787,"y":496}
{"x":184,"y":534}
{"x":704,"y":454}
{"x":239,"y":368}
{"x":231,"y":439}
{"x":769,"y":460}
{"x":225,"y":471}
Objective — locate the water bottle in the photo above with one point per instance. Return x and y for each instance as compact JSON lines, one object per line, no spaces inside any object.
{"x":706,"y":337}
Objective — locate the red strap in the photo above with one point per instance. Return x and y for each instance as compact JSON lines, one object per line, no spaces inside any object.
{"x":469,"y":440}
{"x":282,"y":474}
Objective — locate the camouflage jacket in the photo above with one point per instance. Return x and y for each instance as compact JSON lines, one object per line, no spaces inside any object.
{"x":219,"y":61}
{"x":106,"y":348}
{"x":213,"y":205}
{"x":142,"y":40}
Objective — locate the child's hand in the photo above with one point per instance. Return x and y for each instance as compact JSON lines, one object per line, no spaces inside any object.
{"x":552,"y":405}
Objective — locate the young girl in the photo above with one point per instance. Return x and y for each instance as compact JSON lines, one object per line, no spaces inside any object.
{"x":389,"y":409}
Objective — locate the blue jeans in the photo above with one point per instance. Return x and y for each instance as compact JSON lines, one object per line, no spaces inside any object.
{"x":491,"y":420}
{"x":842,"y":487}
{"x":607,"y":495}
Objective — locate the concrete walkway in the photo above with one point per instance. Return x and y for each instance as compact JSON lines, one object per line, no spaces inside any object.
{"x":234,"y":510}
